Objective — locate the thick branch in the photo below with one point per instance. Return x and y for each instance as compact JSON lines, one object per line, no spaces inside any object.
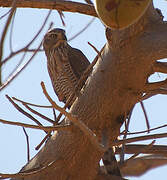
{"x":60,"y":5}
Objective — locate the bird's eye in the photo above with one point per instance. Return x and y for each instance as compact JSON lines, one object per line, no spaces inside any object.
{"x":54,"y":36}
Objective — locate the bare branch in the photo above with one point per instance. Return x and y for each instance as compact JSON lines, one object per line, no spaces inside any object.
{"x":62,"y":5}
{"x":146,"y":117}
{"x":11,"y":32}
{"x":43,"y":140}
{"x":28,"y":144}
{"x":31,"y":104}
{"x":44,"y":128}
{"x":61,"y":17}
{"x":19,"y":70}
{"x":39,"y":114}
{"x":141,"y":132}
{"x":33,"y":39}
{"x":4,"y":33}
{"x":23,"y":112}
{"x":49,"y":133}
{"x":82,"y":30}
{"x":142,"y":148}
{"x":141,"y":138}
{"x":5,"y":14}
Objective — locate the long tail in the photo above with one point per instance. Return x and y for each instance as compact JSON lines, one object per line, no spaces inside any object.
{"x":110,"y":163}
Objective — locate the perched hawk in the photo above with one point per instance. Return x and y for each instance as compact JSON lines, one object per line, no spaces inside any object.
{"x":65,"y":63}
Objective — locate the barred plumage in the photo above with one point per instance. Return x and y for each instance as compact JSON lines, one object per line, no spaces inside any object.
{"x":65,"y":64}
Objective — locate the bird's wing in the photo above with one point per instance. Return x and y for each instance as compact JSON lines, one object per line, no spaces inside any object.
{"x":78,"y":61}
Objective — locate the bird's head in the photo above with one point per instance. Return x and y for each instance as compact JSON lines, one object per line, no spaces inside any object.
{"x":53,"y":38}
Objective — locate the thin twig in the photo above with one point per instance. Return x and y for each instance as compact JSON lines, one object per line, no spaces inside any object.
{"x":16,"y":67}
{"x":61,"y":17}
{"x":28,"y":144}
{"x":5,"y":14}
{"x":140,"y":138}
{"x":5,"y":32}
{"x":82,"y":30}
{"x":23,"y":112}
{"x":98,"y":52}
{"x":44,"y":128}
{"x":19,"y":70}
{"x":31,"y":104}
{"x":11,"y":32}
{"x":146,"y":117}
{"x":141,"y":132}
{"x":136,"y":148}
{"x":122,"y":154}
{"x":93,"y":139}
{"x":49,"y":133}
{"x":39,"y":114}
{"x":33,"y":50}
{"x":54,"y":114}
{"x":43,"y":140}
{"x":34,"y":38}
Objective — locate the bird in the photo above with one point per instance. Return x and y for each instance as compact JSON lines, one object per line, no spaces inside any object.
{"x":65,"y":64}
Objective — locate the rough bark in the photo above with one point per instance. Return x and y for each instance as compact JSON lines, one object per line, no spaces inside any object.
{"x":117,"y":82}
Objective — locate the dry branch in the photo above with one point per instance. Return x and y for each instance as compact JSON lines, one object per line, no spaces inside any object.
{"x":141,"y":148}
{"x":44,"y":128}
{"x":22,"y":111}
{"x":28,"y":145}
{"x":140,"y":138}
{"x":31,"y":104}
{"x":141,"y":132}
{"x":60,"y":5}
{"x":39,"y":114}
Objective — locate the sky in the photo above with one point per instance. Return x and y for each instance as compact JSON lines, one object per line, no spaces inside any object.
{"x":13,"y":153}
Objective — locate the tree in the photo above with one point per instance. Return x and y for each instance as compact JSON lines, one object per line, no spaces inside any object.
{"x":119,"y":81}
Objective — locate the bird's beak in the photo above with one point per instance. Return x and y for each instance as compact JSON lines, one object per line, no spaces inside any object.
{"x":64,"y":36}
